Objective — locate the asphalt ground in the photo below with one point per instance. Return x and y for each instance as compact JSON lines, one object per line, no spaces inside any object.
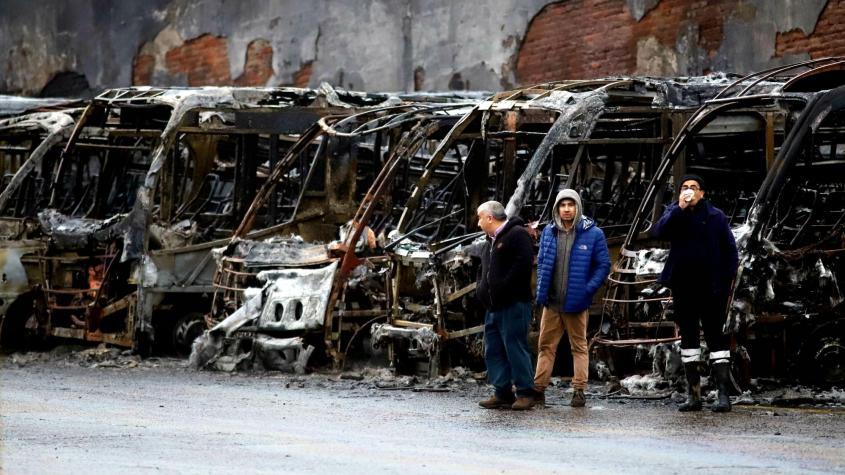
{"x":163,"y":418}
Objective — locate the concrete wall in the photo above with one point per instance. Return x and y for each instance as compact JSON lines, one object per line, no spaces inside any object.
{"x":374,"y":45}
{"x":398,"y":44}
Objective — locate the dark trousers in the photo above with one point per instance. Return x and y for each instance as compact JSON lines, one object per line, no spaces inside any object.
{"x":506,"y":350}
{"x":692,"y":306}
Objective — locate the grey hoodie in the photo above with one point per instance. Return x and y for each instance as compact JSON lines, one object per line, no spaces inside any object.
{"x":557,"y":292}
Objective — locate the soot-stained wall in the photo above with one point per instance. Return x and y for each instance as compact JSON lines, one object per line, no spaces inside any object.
{"x":55,"y":46}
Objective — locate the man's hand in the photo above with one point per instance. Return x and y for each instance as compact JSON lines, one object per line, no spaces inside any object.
{"x":685,"y":198}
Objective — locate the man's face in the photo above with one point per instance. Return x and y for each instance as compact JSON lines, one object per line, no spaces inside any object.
{"x":567,"y":209}
{"x":692,"y":186}
{"x":486,"y":223}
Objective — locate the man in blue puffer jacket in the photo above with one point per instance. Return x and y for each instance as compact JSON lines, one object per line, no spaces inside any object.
{"x":572,"y":265}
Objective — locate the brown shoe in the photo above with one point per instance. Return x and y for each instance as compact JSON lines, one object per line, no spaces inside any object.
{"x":578,"y":398}
{"x":539,"y":398}
{"x":523,"y":403}
{"x":494,"y":402}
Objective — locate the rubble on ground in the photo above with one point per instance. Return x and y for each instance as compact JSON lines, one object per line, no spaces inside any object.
{"x":101,"y":356}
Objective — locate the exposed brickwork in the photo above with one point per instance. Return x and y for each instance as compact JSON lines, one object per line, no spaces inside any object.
{"x":567,"y":39}
{"x":142,"y":70}
{"x":828,"y":39}
{"x":204,"y":60}
{"x":302,"y":77}
{"x":258,"y":67}
{"x":589,"y":38}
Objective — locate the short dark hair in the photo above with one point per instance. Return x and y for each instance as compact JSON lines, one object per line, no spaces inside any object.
{"x":691,"y":176}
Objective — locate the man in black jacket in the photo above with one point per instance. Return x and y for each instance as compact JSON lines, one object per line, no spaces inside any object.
{"x":504,"y":288}
{"x":700,"y":270}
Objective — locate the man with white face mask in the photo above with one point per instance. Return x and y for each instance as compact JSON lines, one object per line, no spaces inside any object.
{"x":700,"y":270}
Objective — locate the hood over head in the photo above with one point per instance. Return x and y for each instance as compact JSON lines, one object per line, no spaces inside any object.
{"x":579,"y":211}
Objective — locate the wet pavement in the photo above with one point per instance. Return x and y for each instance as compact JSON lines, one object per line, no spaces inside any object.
{"x":159,"y":417}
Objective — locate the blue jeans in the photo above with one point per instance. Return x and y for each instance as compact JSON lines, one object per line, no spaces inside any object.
{"x":506,"y":350}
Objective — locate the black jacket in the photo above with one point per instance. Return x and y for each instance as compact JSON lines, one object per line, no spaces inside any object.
{"x":703,"y":251}
{"x":506,"y":265}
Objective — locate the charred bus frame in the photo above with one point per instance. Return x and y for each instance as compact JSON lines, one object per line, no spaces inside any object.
{"x":130,"y":230}
{"x":773,"y":127}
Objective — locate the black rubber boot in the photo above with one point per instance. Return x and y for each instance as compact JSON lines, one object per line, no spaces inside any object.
{"x":693,"y":402}
{"x":722,"y":374}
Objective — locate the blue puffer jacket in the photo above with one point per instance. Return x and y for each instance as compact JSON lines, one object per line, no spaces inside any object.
{"x":589,"y":265}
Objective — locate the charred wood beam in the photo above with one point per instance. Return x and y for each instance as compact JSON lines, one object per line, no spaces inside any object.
{"x":102,"y":146}
{"x":245,"y":170}
{"x":509,"y":154}
{"x":167,"y":186}
{"x":274,"y":160}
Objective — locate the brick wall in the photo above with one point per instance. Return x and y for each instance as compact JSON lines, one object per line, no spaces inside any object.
{"x":588,"y":38}
{"x":573,"y":39}
{"x":204,"y":61}
{"x":302,"y":77}
{"x":258,"y":68}
{"x":827,"y":40}
{"x":142,"y":69}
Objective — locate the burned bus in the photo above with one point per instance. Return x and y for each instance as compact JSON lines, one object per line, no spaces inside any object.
{"x":416,"y":297}
{"x":770,"y":147}
{"x":603,"y":138}
{"x":148,"y":183}
{"x":30,"y":145}
{"x":299,"y":288}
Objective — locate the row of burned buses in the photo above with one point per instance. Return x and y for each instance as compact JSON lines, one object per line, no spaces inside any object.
{"x":288,"y":227}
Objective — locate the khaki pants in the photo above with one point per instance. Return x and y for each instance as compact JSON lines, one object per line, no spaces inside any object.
{"x":552,"y":325}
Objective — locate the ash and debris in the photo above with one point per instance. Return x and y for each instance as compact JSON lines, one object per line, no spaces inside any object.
{"x":458,"y":378}
{"x":644,"y":385}
{"x":770,"y":392}
{"x":651,"y":261}
{"x":101,"y":356}
{"x":364,"y":380}
{"x":766,"y":268}
{"x":72,"y":233}
{"x":277,"y":251}
{"x":104,"y":356}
